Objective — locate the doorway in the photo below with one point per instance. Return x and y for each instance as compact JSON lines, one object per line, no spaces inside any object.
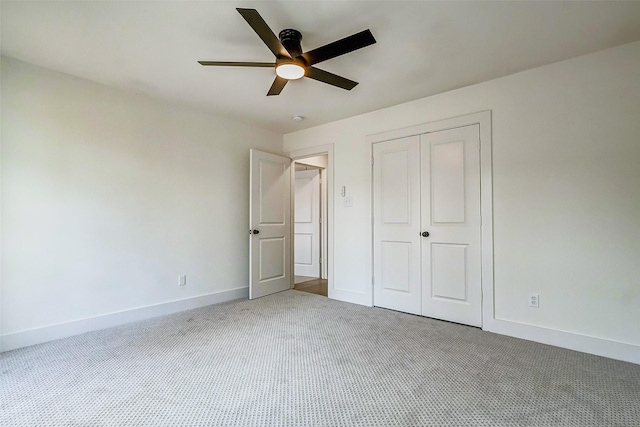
{"x":271,"y":225}
{"x":310,"y":225}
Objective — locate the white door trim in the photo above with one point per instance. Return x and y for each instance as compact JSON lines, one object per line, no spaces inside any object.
{"x":320,"y":150}
{"x":324,"y":224}
{"x":483,"y":119}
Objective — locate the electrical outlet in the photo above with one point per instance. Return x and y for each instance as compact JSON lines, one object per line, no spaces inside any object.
{"x":182,"y":279}
{"x":348,"y":201}
{"x":534,"y":300}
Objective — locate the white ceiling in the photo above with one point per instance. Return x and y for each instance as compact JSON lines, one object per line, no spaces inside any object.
{"x":423,"y":48}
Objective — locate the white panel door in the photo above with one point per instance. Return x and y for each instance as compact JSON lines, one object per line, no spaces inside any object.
{"x":396,"y":225}
{"x":306,"y":241}
{"x":269,"y":224}
{"x":451,"y":257}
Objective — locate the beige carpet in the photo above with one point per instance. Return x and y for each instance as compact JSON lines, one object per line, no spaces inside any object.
{"x":297,"y":359}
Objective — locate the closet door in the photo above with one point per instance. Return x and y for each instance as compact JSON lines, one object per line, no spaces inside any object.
{"x":396,"y":225}
{"x":451,"y":257}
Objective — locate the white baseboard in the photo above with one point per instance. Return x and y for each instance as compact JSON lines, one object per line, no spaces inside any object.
{"x":572,"y":341}
{"x":352,"y":297}
{"x":29,"y":337}
{"x":598,"y":346}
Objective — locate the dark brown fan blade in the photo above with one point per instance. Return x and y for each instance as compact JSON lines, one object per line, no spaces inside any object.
{"x":261,"y":28}
{"x":340,"y":47}
{"x":329,"y":78}
{"x":238,"y":64}
{"x":277,"y":86}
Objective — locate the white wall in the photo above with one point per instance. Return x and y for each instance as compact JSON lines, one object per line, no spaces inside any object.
{"x":566,"y":170}
{"x":107,"y":197}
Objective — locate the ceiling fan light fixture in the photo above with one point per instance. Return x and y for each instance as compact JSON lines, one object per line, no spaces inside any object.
{"x":290,"y":71}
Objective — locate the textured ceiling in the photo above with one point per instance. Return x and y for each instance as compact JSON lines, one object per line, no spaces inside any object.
{"x":423,"y":48}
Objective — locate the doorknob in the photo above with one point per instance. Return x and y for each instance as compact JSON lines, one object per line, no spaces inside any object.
{"x":256,"y":231}
{"x":425,"y":234}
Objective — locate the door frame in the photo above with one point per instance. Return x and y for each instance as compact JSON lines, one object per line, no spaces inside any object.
{"x":319,"y":150}
{"x":483,"y":119}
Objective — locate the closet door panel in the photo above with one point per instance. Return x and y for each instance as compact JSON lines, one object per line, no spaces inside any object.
{"x":450,"y":213}
{"x":396,"y":230}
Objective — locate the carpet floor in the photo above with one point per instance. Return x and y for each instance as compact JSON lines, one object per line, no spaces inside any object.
{"x":298,"y":359}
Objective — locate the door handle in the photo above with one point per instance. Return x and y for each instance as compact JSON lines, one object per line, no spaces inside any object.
{"x":254,"y":231}
{"x":425,"y":234}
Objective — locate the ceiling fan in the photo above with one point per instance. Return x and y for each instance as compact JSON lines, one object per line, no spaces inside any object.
{"x":291,"y":63}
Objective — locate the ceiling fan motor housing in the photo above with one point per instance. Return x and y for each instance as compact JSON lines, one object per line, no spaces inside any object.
{"x":290,"y":39}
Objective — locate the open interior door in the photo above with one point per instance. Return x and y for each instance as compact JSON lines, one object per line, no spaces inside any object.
{"x":269,"y":224}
